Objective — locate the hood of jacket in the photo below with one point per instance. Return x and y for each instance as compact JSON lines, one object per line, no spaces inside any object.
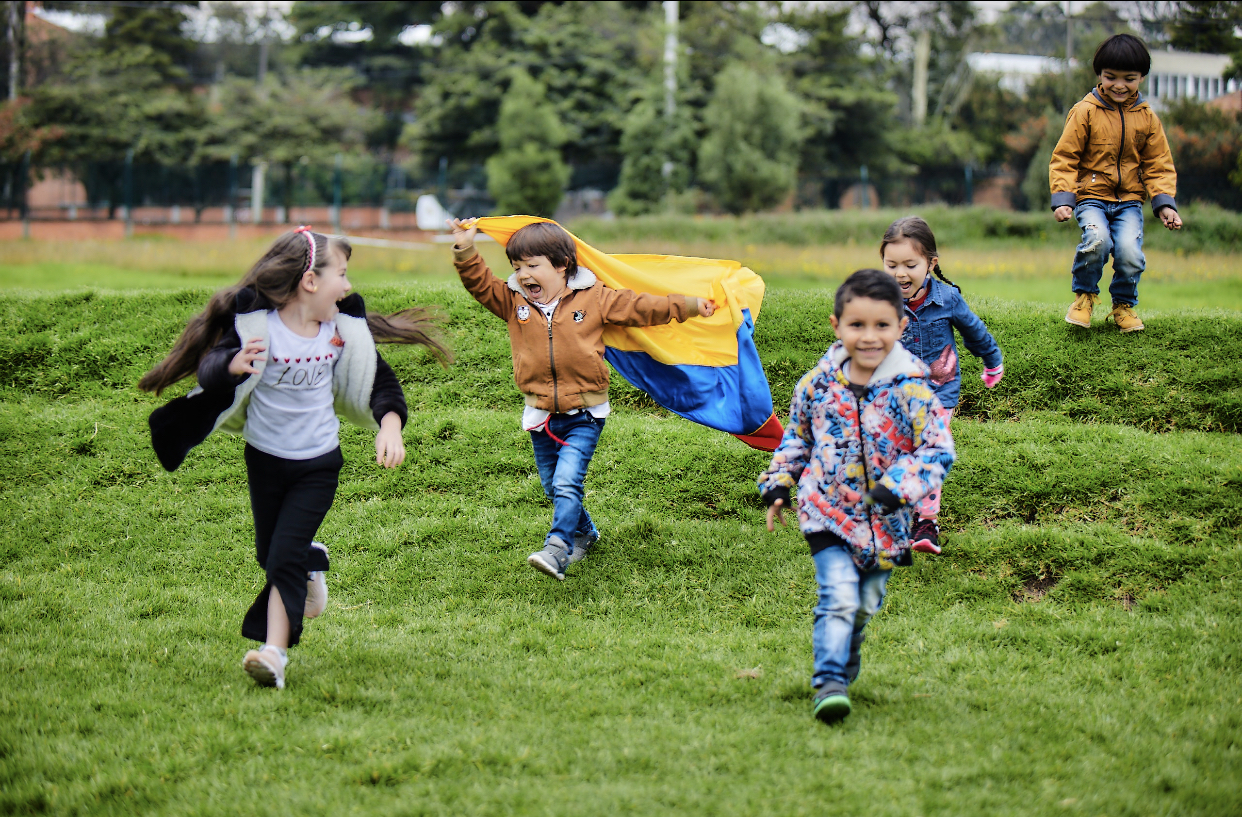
{"x":582,"y":278}
{"x":896,"y":363}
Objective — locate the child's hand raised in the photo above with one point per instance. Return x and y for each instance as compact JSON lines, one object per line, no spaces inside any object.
{"x":1170,"y":218}
{"x":707,"y":307}
{"x":243,"y":362}
{"x":464,"y":231}
{"x":774,"y":514}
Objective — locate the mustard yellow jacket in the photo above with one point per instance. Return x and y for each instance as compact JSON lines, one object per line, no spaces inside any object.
{"x":1112,"y":154}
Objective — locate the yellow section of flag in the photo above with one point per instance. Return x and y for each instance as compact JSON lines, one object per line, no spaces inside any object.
{"x":698,"y":342}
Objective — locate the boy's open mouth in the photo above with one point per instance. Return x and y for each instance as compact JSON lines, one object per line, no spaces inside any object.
{"x":534,"y":290}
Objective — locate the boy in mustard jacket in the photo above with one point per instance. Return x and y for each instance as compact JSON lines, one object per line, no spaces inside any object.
{"x":556,"y":312}
{"x":1111,"y":157}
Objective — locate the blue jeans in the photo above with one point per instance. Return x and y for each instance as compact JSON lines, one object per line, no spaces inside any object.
{"x":848,"y":598}
{"x":562,"y":470}
{"x":1110,"y":227}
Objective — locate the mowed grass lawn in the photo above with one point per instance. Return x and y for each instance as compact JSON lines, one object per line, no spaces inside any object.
{"x":1077,"y":650}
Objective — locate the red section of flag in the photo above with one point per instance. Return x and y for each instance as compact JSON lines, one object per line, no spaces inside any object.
{"x":767,"y":438}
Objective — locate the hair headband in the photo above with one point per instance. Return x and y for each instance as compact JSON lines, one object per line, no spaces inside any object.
{"x":310,"y":241}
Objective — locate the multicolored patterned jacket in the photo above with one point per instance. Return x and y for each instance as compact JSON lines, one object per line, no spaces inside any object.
{"x":900,"y":443}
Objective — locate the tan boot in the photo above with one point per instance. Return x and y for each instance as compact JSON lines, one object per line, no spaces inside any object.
{"x":1080,"y":311}
{"x":1123,"y":315}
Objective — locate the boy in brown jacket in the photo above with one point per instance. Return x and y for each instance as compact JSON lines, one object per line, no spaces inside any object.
{"x":1111,"y":157}
{"x":556,"y":312}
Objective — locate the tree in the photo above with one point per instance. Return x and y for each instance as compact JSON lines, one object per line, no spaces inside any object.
{"x":593,"y":59}
{"x":156,"y":30}
{"x":1205,"y":26}
{"x":649,"y":143}
{"x":528,"y":175}
{"x":302,"y":117}
{"x":749,"y":157}
{"x":849,"y":116}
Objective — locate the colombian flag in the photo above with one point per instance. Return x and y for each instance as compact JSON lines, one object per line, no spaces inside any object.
{"x":706,"y":369}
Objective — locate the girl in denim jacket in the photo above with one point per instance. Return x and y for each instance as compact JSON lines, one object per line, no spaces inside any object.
{"x":934,"y":309}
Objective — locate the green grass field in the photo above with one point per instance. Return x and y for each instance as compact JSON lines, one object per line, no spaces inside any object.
{"x":1077,"y":650}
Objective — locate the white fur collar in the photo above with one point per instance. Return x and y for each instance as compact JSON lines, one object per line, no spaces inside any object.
{"x":898,"y":361}
{"x":582,"y":278}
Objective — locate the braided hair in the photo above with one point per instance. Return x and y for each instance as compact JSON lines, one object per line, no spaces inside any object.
{"x":916,"y":231}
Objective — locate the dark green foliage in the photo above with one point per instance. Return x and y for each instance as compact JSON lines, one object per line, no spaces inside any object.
{"x":527,"y":175}
{"x":745,"y":167}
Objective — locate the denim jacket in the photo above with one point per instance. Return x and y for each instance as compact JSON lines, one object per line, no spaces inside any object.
{"x":929,"y":337}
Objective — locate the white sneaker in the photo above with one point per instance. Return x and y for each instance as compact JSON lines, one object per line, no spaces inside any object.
{"x":316,"y":588}
{"x":266,"y":666}
{"x":316,"y":594}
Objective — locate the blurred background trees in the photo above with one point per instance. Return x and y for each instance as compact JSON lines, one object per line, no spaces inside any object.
{"x":773,"y":104}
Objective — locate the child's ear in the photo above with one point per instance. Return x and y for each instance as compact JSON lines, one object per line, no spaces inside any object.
{"x":308,"y":281}
{"x":835,"y":322}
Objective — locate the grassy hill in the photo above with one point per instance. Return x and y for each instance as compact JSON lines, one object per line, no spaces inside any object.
{"x":1075,"y":651}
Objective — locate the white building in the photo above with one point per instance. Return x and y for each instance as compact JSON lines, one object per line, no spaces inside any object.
{"x":1014,"y":71}
{"x":1181,"y":74}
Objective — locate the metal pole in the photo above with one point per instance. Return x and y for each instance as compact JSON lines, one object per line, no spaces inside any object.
{"x":672,"y":11}
{"x":1069,"y":55}
{"x":336,"y":195}
{"x":128,"y":192}
{"x":17,"y":15}
{"x":970,"y":186}
{"x":864,"y":198}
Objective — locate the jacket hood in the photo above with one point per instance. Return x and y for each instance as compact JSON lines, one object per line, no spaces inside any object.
{"x":1132,"y":103}
{"x":582,"y":278}
{"x":898,"y":362}
{"x":249,"y":300}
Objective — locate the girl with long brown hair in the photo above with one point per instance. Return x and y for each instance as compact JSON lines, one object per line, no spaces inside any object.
{"x":278,"y":356}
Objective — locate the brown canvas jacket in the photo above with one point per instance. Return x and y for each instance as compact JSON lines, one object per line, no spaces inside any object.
{"x":559,"y":366}
{"x":1112,"y":155}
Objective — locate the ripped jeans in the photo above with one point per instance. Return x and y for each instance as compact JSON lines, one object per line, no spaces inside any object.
{"x":1116,"y":228}
{"x":848,"y":598}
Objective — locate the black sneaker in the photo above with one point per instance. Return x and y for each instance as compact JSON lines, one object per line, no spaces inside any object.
{"x":925,"y":537}
{"x":830,"y":703}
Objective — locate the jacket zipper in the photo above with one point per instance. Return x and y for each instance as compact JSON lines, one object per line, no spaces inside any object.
{"x":556,"y":397}
{"x":866,"y":476}
{"x":1122,"y":113}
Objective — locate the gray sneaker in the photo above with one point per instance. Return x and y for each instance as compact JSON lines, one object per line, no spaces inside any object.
{"x":831,"y":702}
{"x":583,"y":542}
{"x":553,"y":559}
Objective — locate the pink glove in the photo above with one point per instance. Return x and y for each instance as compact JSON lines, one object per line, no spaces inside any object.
{"x":993,"y":376}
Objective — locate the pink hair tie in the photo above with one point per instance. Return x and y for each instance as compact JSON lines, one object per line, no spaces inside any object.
{"x":310,"y":240}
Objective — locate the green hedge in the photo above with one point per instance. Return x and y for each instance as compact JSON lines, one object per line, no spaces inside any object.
{"x":1207,"y":228}
{"x":1183,"y":372}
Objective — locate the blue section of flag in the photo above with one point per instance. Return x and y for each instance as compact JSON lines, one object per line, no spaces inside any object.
{"x":733,"y":399}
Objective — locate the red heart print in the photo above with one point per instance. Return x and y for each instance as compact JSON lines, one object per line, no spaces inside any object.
{"x":316,"y":357}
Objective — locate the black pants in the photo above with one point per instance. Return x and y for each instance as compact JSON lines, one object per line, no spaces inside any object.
{"x":289,"y":499}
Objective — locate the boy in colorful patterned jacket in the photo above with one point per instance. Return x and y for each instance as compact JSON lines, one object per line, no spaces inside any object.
{"x":1112,"y":155}
{"x":865,"y":442}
